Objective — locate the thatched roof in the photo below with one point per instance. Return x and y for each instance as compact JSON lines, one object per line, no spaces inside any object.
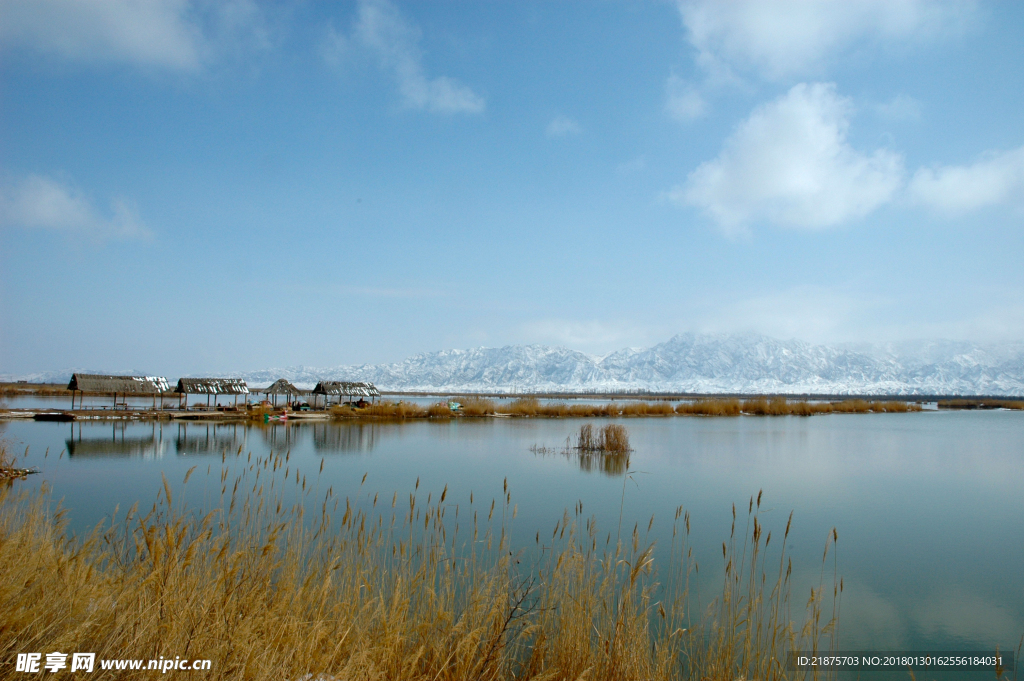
{"x":102,"y":383}
{"x":282,"y":387}
{"x":346,"y":388}
{"x":212,"y":386}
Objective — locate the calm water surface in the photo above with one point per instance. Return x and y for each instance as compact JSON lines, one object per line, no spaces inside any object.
{"x":928,"y":506}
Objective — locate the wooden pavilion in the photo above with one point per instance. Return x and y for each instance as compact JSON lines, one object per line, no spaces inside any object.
{"x":116,"y":385}
{"x":345,"y":389}
{"x":209,"y":387}
{"x":282,"y":387}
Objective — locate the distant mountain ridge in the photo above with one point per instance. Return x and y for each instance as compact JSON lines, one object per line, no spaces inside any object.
{"x":693,"y":363}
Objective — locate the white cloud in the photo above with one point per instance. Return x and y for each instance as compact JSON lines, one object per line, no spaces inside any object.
{"x":381,"y":29}
{"x":683,"y":101}
{"x":38,"y":202}
{"x":776,"y":38}
{"x":562,"y":126}
{"x":790,"y":163}
{"x":819,"y":314}
{"x":593,"y":336}
{"x":857,"y":311}
{"x":997,"y":178}
{"x":171,"y":34}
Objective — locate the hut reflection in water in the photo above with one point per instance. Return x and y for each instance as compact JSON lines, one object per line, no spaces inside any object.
{"x":117,"y":443}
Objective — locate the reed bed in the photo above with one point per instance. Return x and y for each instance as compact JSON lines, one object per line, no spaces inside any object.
{"x":780,"y":406}
{"x":382,"y":410}
{"x":531,"y":406}
{"x":389,"y":589}
{"x":47,"y":389}
{"x":710,"y":407}
{"x":613,"y":438}
{"x":476,"y":406}
{"x":965,"y":403}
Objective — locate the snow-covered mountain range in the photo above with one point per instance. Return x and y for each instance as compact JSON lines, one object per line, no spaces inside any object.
{"x":694,"y":363}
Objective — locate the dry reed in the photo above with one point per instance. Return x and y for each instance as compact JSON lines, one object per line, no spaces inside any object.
{"x":371,"y":592}
{"x":476,"y":406}
{"x":8,"y":470}
{"x":439,"y":410}
{"x":613,"y":438}
{"x":531,"y":407}
{"x":980,"y":403}
{"x":780,"y":406}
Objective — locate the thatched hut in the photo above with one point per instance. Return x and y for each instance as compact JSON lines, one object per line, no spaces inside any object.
{"x":211,"y":386}
{"x":345,"y":389}
{"x":282,"y":387}
{"x":116,"y":385}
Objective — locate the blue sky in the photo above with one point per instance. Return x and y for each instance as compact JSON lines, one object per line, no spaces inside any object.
{"x":190,"y":185}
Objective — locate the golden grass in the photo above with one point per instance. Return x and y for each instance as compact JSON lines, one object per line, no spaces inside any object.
{"x":439,"y":410}
{"x":388,"y":591}
{"x":531,"y":407}
{"x":45,"y":389}
{"x":380,"y":410}
{"x":613,"y":438}
{"x":8,"y":470}
{"x":780,"y":406}
{"x":981,"y":403}
{"x":710,"y":407}
{"x":476,"y":406}
{"x":393,"y":410}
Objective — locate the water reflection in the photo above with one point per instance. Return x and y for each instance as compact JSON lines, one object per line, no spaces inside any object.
{"x":282,"y":437}
{"x":614,"y":465}
{"x":611,"y":464}
{"x":117,"y":443}
{"x":926,"y":505}
{"x":202,"y":439}
{"x":358,"y":437}
{"x":209,"y":438}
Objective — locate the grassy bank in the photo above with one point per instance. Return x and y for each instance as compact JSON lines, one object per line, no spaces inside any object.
{"x":392,"y":589}
{"x":981,"y":403}
{"x":532,"y":407}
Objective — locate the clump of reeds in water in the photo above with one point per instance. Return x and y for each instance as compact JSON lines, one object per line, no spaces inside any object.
{"x":8,"y":470}
{"x":606,"y":449}
{"x":613,"y":438}
{"x":374,"y":588}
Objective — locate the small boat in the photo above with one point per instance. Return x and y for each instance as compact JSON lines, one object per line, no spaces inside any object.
{"x":53,"y":416}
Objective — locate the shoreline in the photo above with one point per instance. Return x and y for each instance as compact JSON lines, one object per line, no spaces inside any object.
{"x":473,"y":408}
{"x":19,"y":389}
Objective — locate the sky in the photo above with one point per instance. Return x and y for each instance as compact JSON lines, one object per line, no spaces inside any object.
{"x":203,"y":186}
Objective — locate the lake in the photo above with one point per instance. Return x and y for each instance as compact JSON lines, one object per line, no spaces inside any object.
{"x":927,"y":506}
